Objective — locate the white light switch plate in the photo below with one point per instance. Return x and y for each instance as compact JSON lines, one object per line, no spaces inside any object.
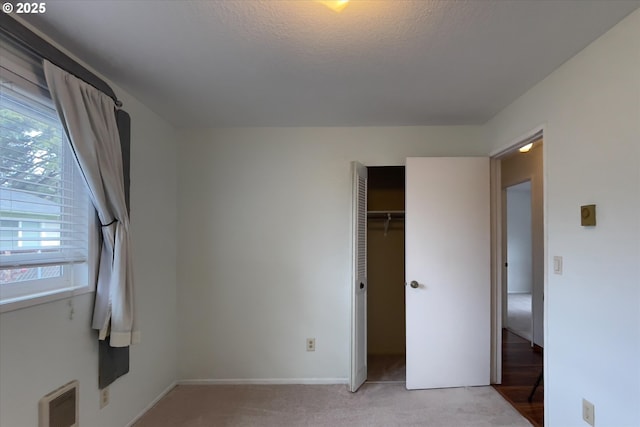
{"x":557,"y":265}
{"x":588,"y":412}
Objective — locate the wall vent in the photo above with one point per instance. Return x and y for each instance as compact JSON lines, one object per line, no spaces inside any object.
{"x":60,"y":407}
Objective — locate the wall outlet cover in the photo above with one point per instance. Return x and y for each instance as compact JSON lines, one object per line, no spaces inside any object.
{"x":311,"y":344}
{"x":104,"y":397}
{"x":588,"y":412}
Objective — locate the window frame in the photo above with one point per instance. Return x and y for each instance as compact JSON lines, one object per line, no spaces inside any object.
{"x":77,"y":278}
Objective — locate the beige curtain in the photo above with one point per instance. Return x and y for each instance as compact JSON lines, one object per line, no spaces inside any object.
{"x":88,"y":116}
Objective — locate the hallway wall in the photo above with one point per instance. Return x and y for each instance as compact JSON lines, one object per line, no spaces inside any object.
{"x":519,"y":245}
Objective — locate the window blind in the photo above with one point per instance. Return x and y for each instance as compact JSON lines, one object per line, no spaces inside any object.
{"x":43,"y":204}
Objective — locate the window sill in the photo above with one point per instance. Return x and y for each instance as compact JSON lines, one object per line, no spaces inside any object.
{"x":43,"y":298}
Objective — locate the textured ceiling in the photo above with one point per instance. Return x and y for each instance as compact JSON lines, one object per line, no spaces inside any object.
{"x":297,"y":63}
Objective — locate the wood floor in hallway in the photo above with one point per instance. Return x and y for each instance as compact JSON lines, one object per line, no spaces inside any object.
{"x":521,"y":366}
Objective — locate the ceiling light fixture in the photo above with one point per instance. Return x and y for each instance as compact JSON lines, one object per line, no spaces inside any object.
{"x":335,"y":5}
{"x":525,"y":148}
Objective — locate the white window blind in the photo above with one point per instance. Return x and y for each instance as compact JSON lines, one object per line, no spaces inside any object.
{"x":43,"y":202}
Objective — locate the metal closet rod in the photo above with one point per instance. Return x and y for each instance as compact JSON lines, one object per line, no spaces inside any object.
{"x":386,"y":214}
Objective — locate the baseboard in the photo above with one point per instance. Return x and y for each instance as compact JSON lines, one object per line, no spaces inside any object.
{"x":152,"y":404}
{"x":265,"y":381}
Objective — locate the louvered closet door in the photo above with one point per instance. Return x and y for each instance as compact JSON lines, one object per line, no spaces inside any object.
{"x":359,"y":283}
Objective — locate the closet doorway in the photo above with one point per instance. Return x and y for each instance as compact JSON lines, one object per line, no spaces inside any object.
{"x":386,"y":336}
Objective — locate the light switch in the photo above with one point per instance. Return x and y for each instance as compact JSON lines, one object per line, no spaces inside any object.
{"x":557,"y":265}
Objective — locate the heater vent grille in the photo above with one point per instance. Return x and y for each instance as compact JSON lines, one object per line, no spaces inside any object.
{"x":60,"y":407}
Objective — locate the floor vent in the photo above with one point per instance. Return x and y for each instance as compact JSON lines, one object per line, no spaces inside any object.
{"x":60,"y":407}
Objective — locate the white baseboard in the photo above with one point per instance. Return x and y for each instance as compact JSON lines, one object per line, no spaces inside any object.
{"x":267,"y":381}
{"x":153,"y":402}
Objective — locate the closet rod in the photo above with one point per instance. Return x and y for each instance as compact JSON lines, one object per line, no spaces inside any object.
{"x":386,"y":218}
{"x":384,"y":212}
{"x":386,"y":215}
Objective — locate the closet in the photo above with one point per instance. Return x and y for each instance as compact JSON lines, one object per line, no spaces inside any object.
{"x":385,"y":274}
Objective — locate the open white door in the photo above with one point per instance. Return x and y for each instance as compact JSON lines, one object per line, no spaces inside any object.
{"x":359,"y":279}
{"x":447,"y":260}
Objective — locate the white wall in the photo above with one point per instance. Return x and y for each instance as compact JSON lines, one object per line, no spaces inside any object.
{"x":265,"y":245}
{"x":519,"y":245}
{"x":590,"y":108}
{"x":41,"y":348}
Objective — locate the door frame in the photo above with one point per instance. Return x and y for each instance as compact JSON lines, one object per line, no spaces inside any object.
{"x":497,"y":254}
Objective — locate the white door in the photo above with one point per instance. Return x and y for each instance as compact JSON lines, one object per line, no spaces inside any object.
{"x":447,"y":267}
{"x":359,"y":279}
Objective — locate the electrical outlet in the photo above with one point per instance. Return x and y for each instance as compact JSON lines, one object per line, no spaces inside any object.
{"x":311,"y":344}
{"x":104,"y":397}
{"x":588,"y":412}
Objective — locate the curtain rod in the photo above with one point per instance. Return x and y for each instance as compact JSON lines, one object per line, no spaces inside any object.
{"x":26,"y":38}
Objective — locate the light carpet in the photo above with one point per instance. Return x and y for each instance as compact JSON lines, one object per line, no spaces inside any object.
{"x":330,"y":405}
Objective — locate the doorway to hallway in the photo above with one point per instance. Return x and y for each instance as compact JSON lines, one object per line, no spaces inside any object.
{"x":518,"y":290}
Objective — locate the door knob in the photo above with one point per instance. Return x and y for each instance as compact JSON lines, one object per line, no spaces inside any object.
{"x":414,"y":284}
{"x":361,"y":285}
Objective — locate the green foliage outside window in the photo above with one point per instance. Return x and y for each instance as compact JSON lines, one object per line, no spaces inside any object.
{"x":30,"y":153}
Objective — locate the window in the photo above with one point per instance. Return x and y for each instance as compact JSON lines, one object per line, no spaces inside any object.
{"x":44,"y":208}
